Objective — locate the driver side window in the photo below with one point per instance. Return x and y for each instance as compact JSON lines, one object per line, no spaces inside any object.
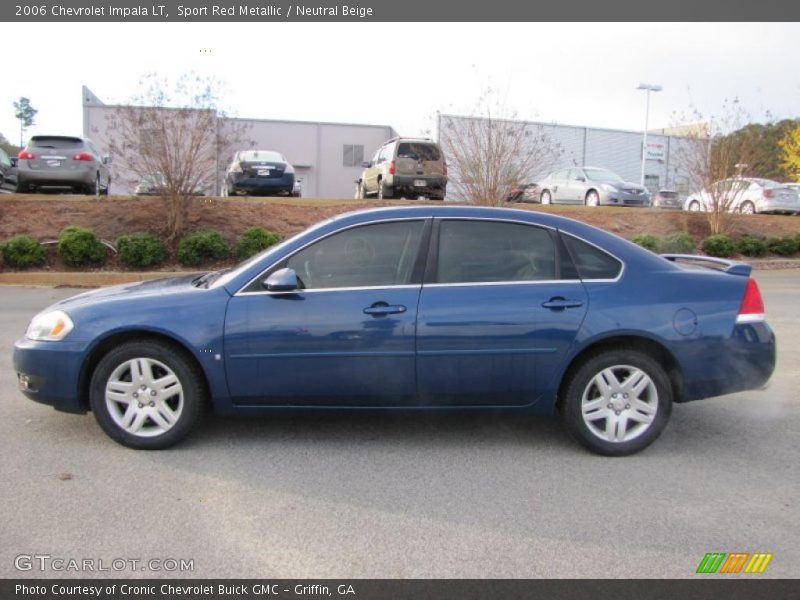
{"x":379,"y":255}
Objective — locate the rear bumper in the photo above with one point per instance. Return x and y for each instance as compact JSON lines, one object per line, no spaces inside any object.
{"x":765,"y":206}
{"x":55,"y":178}
{"x":52,"y":371}
{"x":745,"y":362}
{"x":433,"y":184}
{"x":284,"y":183}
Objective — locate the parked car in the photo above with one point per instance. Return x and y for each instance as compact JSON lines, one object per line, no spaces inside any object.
{"x":258,"y":172}
{"x":405,"y":168}
{"x":417,"y":308}
{"x":666,"y":199}
{"x":591,"y":186}
{"x":524,"y":192}
{"x":748,"y":195}
{"x":153,"y":185}
{"x":53,"y":161}
{"x":297,"y":190}
{"x":5,"y":167}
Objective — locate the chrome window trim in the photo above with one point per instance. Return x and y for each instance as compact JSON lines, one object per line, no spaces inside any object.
{"x":490,"y":283}
{"x":334,"y":289}
{"x":241,"y":292}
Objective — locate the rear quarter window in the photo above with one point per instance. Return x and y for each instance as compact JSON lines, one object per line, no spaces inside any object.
{"x":590,"y":261}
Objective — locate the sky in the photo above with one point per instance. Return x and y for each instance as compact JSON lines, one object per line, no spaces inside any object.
{"x":400,"y":74}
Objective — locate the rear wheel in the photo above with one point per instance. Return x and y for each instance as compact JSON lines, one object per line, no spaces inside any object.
{"x":617,"y":402}
{"x":747,"y":208}
{"x":21,"y":187}
{"x":383,"y":192}
{"x":592,"y":199}
{"x":694,"y":206}
{"x":146,"y":394}
{"x":546,"y":197}
{"x":92,"y":189}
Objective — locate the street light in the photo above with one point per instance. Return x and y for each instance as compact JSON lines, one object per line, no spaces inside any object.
{"x":648,"y":87}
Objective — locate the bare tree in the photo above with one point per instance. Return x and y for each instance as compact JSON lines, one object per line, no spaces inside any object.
{"x":173,"y":134}
{"x":714,"y":157}
{"x":490,"y":152}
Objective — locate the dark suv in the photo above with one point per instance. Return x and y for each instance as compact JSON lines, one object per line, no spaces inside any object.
{"x":405,"y":168}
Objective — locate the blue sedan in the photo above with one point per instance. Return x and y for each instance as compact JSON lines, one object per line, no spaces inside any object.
{"x":423,"y":308}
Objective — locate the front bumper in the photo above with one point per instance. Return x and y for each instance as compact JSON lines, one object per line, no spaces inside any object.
{"x":620,"y":198}
{"x":52,"y":372}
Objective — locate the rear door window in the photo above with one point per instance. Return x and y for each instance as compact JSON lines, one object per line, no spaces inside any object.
{"x":494,"y":251}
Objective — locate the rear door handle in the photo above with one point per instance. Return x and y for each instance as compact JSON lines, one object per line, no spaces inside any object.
{"x":559,"y":303}
{"x":382,"y":308}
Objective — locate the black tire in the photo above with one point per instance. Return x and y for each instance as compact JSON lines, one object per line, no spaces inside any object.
{"x":91,"y":189}
{"x":107,"y":189}
{"x":581,"y":380}
{"x":22,"y":187}
{"x":383,"y":193}
{"x":546,"y":197}
{"x":182,"y":366}
{"x":595,"y":202}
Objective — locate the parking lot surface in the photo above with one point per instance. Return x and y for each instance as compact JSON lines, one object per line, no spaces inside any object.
{"x":407,"y":496}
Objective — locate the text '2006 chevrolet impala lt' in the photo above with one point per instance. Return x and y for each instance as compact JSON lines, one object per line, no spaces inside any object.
{"x":412,"y":308}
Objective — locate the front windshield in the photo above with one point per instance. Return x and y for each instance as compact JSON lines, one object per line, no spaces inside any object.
{"x":247,"y":263}
{"x":602,"y":175}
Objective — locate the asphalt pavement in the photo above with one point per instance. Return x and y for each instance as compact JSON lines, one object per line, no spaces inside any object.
{"x":404,"y":496}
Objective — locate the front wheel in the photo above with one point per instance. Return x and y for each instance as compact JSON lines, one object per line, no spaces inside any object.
{"x":694,"y":206}
{"x":546,"y":197}
{"x":383,"y":192}
{"x":592,"y":199}
{"x":617,"y":402}
{"x":146,"y":395}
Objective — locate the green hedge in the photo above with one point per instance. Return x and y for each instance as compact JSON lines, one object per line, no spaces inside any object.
{"x":201,"y":247}
{"x":749,"y":245}
{"x":254,"y":240}
{"x":785,"y":246}
{"x":645,"y":240}
{"x":141,"y":250}
{"x":78,"y":247}
{"x":720,"y":245}
{"x":677,"y":243}
{"x":23,"y":251}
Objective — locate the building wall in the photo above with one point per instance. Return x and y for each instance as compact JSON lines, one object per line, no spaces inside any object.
{"x":617,"y":150}
{"x":315,"y":149}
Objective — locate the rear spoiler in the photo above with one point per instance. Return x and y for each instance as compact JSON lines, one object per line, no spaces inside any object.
{"x":728,"y":266}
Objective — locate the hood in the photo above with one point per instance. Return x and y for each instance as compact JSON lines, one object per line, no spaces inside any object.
{"x":130,"y":291}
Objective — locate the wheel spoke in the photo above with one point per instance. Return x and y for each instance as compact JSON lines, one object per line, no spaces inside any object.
{"x":119,"y":391}
{"x":167,"y":413}
{"x":609,"y":380}
{"x":164,"y":384}
{"x":138,"y":421}
{"x":130,"y":414}
{"x":644,"y":407}
{"x":160,"y":420}
{"x":596,"y":415}
{"x":622,"y":427}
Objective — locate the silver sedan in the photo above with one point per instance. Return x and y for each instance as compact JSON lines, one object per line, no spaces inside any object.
{"x":591,"y":186}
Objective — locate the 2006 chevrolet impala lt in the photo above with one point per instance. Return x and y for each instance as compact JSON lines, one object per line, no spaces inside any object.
{"x":423,"y":308}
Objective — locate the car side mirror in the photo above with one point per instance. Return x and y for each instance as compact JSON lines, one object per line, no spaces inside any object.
{"x":366,"y":164}
{"x":282,"y":280}
{"x":107,"y":159}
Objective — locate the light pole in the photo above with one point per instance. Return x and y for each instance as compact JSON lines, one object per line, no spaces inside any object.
{"x":647,"y":87}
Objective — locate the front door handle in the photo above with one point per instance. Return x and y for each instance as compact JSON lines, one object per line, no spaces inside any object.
{"x":382,"y":308}
{"x":559,"y":303}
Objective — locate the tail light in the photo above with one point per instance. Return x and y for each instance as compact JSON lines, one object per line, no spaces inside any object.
{"x":83,"y":156}
{"x":769,"y":193}
{"x":26,"y":155}
{"x":391,"y":168}
{"x":752,"y":308}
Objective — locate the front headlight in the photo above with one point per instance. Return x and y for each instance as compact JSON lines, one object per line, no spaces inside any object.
{"x":607,"y":187}
{"x":51,"y":326}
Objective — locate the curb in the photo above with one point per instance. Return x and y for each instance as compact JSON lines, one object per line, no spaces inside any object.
{"x":84,"y":279}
